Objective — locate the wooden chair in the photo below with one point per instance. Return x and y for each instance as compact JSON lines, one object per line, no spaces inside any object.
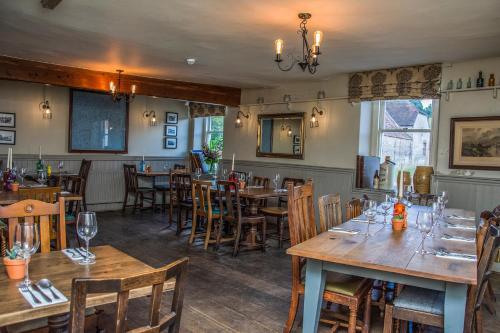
{"x":182,"y":198}
{"x":427,"y":306}
{"x":330,"y":211}
{"x":35,"y":211}
{"x":280,"y":212}
{"x":240,"y":174}
{"x":260,"y":181}
{"x":204,"y":211}
{"x":74,"y":199}
{"x":232,"y":213}
{"x":353,"y":209}
{"x":83,"y":173}
{"x":81,"y":287}
{"x":165,"y":189}
{"x":132,"y":187}
{"x":341,"y":289}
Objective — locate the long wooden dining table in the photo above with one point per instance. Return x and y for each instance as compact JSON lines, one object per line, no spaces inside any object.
{"x":392,"y":256}
{"x":61,"y":270}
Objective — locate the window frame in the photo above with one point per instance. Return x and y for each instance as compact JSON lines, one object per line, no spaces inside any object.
{"x":378,"y":131}
{"x":207,"y":133}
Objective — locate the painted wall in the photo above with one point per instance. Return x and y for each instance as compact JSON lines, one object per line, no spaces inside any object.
{"x":32,"y":131}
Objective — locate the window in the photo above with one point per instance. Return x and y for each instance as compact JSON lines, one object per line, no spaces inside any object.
{"x":404,"y":131}
{"x":215,"y":131}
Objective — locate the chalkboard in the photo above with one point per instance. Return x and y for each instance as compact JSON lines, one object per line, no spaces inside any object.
{"x":96,"y":123}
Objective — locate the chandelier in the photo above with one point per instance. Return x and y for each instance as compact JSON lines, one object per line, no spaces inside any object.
{"x":115,"y":92}
{"x":310,"y":55}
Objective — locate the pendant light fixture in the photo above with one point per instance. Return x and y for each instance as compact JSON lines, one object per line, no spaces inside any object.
{"x":44,"y":106}
{"x":117,"y":94}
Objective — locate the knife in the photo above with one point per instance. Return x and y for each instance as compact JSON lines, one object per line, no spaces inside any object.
{"x":39,"y":290}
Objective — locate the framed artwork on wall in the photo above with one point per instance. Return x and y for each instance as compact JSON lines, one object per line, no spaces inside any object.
{"x":97,"y":124}
{"x":475,"y":143}
{"x":7,"y":119}
{"x":7,"y":137}
{"x":296,"y":139}
{"x":296,"y":149}
{"x":169,"y":143}
{"x":171,"y":117}
{"x":170,"y":130}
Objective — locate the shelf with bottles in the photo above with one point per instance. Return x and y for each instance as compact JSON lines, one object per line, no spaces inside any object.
{"x":447,"y":92}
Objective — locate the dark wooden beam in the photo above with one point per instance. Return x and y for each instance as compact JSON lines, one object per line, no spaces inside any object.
{"x":39,"y":72}
{"x":50,"y":4}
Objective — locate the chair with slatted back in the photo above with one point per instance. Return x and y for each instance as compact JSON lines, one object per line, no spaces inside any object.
{"x":280,"y":212}
{"x":74,"y":199}
{"x":353,"y":209}
{"x":35,"y":211}
{"x":165,"y":189}
{"x":330,"y":211}
{"x":341,"y":289}
{"x":83,"y":173}
{"x":426,"y":306}
{"x":240,"y":175}
{"x":264,"y":182}
{"x":204,"y":212}
{"x":182,"y":198}
{"x":177,"y":270}
{"x":140,"y":194}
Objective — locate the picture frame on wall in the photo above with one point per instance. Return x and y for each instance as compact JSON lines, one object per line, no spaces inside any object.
{"x":170,"y":130}
{"x":7,"y":119}
{"x":169,"y":143}
{"x":171,"y":117}
{"x":7,"y":137}
{"x":475,"y":143}
{"x":296,"y":139}
{"x":296,"y":149}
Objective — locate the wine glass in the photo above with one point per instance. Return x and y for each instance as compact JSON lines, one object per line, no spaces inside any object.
{"x":197,"y":173}
{"x":26,"y":241}
{"x":386,"y":206}
{"x":60,"y":165}
{"x":408,"y":195}
{"x":86,"y":226}
{"x":370,"y":209}
{"x":444,"y":198}
{"x":424,"y":224}
{"x":224,"y":174}
{"x":276,"y":181}
{"x":250,"y":178}
{"x":22,"y":174}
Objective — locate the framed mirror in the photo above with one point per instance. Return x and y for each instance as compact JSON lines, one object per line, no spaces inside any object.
{"x":281,"y":135}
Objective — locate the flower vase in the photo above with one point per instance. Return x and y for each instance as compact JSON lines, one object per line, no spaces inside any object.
{"x":213,"y":169}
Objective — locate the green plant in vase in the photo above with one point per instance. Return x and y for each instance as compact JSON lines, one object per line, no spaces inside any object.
{"x":212,"y":153}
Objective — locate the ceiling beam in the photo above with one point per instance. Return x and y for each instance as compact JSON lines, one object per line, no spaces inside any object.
{"x":50,"y":4}
{"x":73,"y":77}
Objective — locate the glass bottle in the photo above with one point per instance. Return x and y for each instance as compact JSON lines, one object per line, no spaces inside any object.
{"x":491,"y":80}
{"x":480,"y":80}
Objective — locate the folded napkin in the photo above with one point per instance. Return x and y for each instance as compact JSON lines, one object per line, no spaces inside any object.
{"x":76,"y":255}
{"x":458,"y":217}
{"x":255,"y":186}
{"x":457,"y":256}
{"x":281,"y":190}
{"x":30,"y":291}
{"x":457,"y":238}
{"x":360,"y":220}
{"x":344,"y":231}
{"x":459,"y":226}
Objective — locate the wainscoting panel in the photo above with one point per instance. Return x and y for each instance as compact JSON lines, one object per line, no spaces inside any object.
{"x":105,"y":188}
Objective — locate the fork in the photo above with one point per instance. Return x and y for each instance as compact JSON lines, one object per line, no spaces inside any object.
{"x":35,"y":299}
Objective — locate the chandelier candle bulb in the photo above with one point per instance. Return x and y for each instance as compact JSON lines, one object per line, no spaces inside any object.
{"x":279,"y":48}
{"x":318,"y":37}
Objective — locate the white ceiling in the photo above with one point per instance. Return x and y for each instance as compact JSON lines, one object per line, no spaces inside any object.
{"x":233,"y":40}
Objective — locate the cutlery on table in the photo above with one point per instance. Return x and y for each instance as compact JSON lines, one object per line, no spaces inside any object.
{"x":83,"y":252}
{"x":453,"y":255}
{"x":457,"y":238}
{"x":39,"y":290}
{"x":359,"y":220}
{"x":27,"y":290}
{"x":73,"y":253}
{"x":460,"y":226}
{"x":458,"y":217}
{"x":342,"y":230}
{"x":46,"y":284}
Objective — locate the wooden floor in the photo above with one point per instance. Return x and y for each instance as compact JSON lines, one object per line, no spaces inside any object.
{"x":249,"y":293}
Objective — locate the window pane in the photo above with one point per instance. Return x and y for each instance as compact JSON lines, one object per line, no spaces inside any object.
{"x":410,"y":149}
{"x":415,"y":114}
{"x":217,"y":124}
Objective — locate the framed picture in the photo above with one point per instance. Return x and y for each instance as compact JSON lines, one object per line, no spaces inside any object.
{"x":296,"y":149}
{"x":171,"y":117}
{"x":475,"y":143}
{"x":7,"y":137}
{"x":296,"y":139}
{"x":96,"y":123}
{"x":170,"y":130}
{"x":169,"y":143}
{"x":7,"y":119}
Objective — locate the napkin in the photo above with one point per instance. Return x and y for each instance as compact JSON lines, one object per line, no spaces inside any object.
{"x":458,"y":217}
{"x":75,"y":255}
{"x":460,"y":226}
{"x":344,"y":231}
{"x":27,"y":296}
{"x":456,"y":256}
{"x":459,"y":239}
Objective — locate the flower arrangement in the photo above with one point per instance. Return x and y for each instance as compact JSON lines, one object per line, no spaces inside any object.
{"x":212,"y":152}
{"x":399,"y":217}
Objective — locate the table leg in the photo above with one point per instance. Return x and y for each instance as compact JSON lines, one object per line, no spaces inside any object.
{"x":454,"y":307}
{"x":313,"y":297}
{"x":59,"y":323}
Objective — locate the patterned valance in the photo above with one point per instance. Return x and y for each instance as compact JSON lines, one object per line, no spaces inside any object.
{"x":396,"y":83}
{"x":206,"y":110}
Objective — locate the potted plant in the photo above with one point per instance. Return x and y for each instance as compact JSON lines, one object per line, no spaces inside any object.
{"x":14,"y":186}
{"x":399,"y":218}
{"x":14,"y":264}
{"x":212,"y":153}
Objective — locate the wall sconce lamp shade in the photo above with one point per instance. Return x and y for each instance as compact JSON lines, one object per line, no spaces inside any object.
{"x":151,"y":115}
{"x":314,"y":117}
{"x":45,"y":108}
{"x":238,"y":122}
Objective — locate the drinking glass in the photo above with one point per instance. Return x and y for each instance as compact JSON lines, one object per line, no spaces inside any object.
{"x":386,"y":206}
{"x":444,"y":198}
{"x":370,"y":209}
{"x":86,"y":226}
{"x":26,"y":241}
{"x":424,"y":224}
{"x":22,"y":174}
{"x":224,"y":174}
{"x":250,"y":177}
{"x":60,"y":165}
{"x":276,"y":181}
{"x":197,"y":173}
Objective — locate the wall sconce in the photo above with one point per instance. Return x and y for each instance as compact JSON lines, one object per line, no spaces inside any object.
{"x":45,"y":108}
{"x":151,"y":115}
{"x":314,"y":119}
{"x":289,"y":131}
{"x":238,"y":123}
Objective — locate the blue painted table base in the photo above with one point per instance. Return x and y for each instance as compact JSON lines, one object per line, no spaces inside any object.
{"x":454,"y":304}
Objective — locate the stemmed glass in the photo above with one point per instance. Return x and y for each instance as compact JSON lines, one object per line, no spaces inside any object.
{"x":424,"y":224}
{"x":224,"y":174}
{"x":250,"y":178}
{"x":86,"y":226}
{"x":386,"y":206}
{"x":443,"y":197}
{"x":276,"y":181}
{"x":197,"y":173}
{"x":22,"y":174}
{"x":370,"y":211}
{"x":60,"y":166}
{"x":27,"y":241}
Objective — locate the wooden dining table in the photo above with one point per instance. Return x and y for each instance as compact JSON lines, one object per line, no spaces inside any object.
{"x":11,"y":197}
{"x":61,"y":270}
{"x":392,"y":256}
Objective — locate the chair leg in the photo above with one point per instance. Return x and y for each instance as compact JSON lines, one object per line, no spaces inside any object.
{"x":125,"y":201}
{"x":292,"y":312}
{"x":479,"y":321}
{"x":404,"y":326}
{"x":135,"y":201}
{"x":491,"y":292}
{"x":193,"y":228}
{"x":281,"y":226}
{"x":237,"y":237}
{"x":367,"y":314}
{"x":388,"y":318}
{"x":208,"y":232}
{"x":264,"y":227}
{"x":219,"y":226}
{"x":353,"y":314}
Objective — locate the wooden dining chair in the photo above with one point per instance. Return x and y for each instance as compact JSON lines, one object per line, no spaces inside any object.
{"x":83,"y":173}
{"x":177,"y":270}
{"x":240,"y":175}
{"x":330,"y":211}
{"x":350,"y":291}
{"x":353,"y":209}
{"x":204,"y":213}
{"x":35,"y":211}
{"x":140,"y":194}
{"x":165,"y":189}
{"x":426,"y":306}
{"x":280,"y":212}
{"x":260,"y":181}
{"x":182,"y":198}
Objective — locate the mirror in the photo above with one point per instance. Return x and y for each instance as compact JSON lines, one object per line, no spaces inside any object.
{"x":281,"y":135}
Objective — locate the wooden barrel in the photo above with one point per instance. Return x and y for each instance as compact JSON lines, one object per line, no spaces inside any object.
{"x":422,"y":179}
